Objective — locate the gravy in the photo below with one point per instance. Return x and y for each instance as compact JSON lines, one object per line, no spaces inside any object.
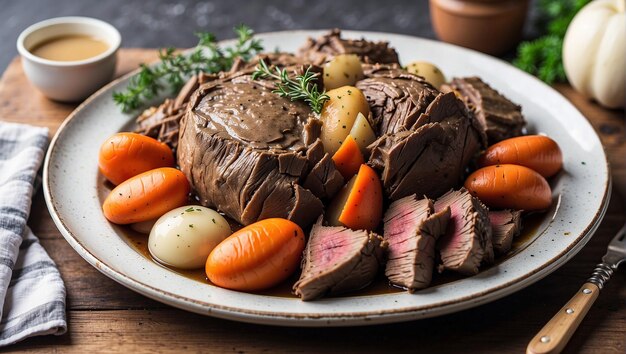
{"x":70,"y":48}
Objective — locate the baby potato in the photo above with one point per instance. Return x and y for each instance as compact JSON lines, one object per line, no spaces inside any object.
{"x":428,"y":71}
{"x":342,"y":70}
{"x":184,"y":237}
{"x":362,"y":133}
{"x":338,"y":115}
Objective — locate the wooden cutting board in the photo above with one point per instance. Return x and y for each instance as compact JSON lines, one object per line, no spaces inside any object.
{"x":103,"y":316}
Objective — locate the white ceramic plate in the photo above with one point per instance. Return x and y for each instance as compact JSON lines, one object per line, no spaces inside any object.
{"x":74,"y":192}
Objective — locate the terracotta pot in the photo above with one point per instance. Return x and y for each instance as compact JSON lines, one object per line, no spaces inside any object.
{"x":490,"y":26}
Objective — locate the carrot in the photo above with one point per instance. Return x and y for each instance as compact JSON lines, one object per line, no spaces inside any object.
{"x":537,"y":152}
{"x":146,"y":196}
{"x":125,"y":155}
{"x":257,"y":257}
{"x":510,"y":186}
{"x":348,"y":158}
{"x":359,"y":205}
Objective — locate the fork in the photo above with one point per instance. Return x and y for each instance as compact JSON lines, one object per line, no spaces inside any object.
{"x":556,"y":333}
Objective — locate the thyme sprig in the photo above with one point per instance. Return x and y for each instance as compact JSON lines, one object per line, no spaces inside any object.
{"x":176,"y":68}
{"x":301,"y":87}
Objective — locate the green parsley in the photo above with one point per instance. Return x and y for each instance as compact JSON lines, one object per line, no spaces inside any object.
{"x":543,"y":56}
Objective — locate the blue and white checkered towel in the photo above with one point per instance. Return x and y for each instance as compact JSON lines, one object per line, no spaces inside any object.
{"x":32,"y":294}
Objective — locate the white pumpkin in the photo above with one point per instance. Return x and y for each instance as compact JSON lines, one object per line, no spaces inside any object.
{"x":594,"y":52}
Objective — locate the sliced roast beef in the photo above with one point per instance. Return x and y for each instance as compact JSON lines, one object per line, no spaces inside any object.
{"x":467,"y":242}
{"x":411,"y":231}
{"x":247,"y":152}
{"x":505,"y":225}
{"x":430,"y":157}
{"x":396,"y":97}
{"x":501,"y":118}
{"x":322,"y":49}
{"x":338,"y":260}
{"x":162,"y":122}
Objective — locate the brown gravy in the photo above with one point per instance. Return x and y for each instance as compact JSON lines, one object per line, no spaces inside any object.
{"x":530,"y":230}
{"x":70,"y":48}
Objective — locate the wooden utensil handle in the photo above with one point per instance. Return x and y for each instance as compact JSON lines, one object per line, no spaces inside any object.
{"x":556,"y":333}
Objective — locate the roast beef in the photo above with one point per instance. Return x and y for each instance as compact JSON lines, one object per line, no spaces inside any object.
{"x":337,"y":260}
{"x":467,"y":242}
{"x":427,"y":138}
{"x":501,"y":118}
{"x":162,"y":122}
{"x":248,"y":152}
{"x":322,"y":49}
{"x":505,"y":225}
{"x":396,"y":97}
{"x":411,"y":231}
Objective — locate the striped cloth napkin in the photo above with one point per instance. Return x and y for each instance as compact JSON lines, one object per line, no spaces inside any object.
{"x":32,"y":294}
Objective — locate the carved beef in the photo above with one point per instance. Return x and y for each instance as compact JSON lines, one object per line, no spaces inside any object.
{"x":322,"y":49}
{"x":338,"y":260}
{"x":163,"y":122}
{"x":411,"y":230}
{"x":423,"y":133}
{"x":505,"y":225}
{"x":247,"y":152}
{"x":501,"y":118}
{"x":467,"y":242}
{"x":396,"y":97}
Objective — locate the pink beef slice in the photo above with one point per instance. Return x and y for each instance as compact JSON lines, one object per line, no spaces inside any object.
{"x":411,"y":230}
{"x":338,"y":260}
{"x":426,"y":138}
{"x":467,"y":242}
{"x":506,"y":226}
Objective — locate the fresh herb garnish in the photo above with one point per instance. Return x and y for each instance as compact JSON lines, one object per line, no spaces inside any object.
{"x":301,"y":87}
{"x":189,"y":210}
{"x":176,"y":68}
{"x":543,"y":56}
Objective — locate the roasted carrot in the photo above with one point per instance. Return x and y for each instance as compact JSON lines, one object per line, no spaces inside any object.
{"x":125,"y":155}
{"x":359,"y":205}
{"x":257,"y":257}
{"x":537,"y":152}
{"x":348,"y":158}
{"x":146,"y":196}
{"x":510,"y":186}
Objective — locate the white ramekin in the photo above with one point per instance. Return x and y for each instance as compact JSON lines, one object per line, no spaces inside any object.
{"x":69,"y":81}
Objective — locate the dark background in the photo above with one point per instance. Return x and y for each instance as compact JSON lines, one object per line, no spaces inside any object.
{"x":172,"y":23}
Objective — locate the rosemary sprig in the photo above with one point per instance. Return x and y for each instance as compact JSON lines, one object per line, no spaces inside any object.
{"x":301,"y":87}
{"x":176,"y":68}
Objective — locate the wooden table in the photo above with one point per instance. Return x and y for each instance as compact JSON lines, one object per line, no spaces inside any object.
{"x":104,"y":316}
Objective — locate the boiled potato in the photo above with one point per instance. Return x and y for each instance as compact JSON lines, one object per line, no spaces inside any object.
{"x":428,"y":71}
{"x":342,"y":70}
{"x":184,"y":237}
{"x":362,"y":132}
{"x":339,"y":113}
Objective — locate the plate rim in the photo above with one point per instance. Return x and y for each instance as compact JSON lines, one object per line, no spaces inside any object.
{"x":304,"y":319}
